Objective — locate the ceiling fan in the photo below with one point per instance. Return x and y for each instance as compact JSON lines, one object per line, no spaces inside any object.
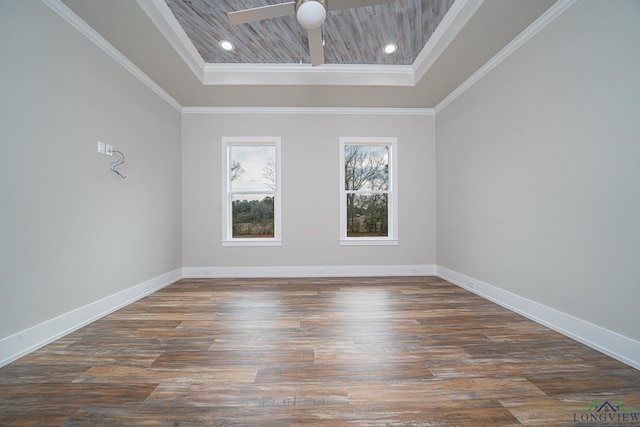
{"x":309,"y":13}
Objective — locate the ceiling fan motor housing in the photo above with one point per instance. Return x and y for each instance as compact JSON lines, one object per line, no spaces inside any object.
{"x":311,"y":13}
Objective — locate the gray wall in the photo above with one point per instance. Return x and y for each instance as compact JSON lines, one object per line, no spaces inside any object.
{"x":310,"y":193}
{"x":71,"y":232}
{"x":539,"y":169}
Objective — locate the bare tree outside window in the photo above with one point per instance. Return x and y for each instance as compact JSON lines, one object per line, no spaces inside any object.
{"x":269,"y":175}
{"x":366,"y":187}
{"x":253,"y":183}
{"x":236,"y":170}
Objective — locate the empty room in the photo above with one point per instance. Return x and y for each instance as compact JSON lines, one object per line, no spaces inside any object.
{"x":320,"y":212}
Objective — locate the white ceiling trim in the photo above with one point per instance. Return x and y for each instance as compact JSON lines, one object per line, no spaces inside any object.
{"x":311,"y":110}
{"x":160,"y":14}
{"x":454,"y":20}
{"x":294,"y":74}
{"x":538,"y":25}
{"x":76,"y":22}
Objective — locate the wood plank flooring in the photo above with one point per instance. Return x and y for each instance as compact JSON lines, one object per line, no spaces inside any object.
{"x":410,"y":351}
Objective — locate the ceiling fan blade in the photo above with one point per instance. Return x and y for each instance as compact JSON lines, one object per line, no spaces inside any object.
{"x":316,"y":50}
{"x":349,"y":4}
{"x":263,"y":12}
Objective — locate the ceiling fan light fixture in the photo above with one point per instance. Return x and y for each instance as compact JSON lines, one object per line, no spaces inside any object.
{"x":311,"y":13}
{"x":390,"y":48}
{"x":226,"y":45}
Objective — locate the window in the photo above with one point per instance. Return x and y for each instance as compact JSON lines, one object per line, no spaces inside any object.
{"x":251,"y":193}
{"x":368,"y":200}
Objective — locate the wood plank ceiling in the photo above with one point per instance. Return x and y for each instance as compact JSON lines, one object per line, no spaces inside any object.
{"x":352,"y":36}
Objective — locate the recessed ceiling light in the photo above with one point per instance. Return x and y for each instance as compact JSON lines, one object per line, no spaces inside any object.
{"x":390,"y":48}
{"x":226,"y":45}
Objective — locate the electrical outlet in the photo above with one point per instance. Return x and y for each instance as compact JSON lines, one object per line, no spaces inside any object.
{"x":102,"y":149}
{"x":109,"y":150}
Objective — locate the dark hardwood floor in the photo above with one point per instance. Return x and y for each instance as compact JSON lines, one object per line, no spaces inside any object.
{"x":409,"y":351}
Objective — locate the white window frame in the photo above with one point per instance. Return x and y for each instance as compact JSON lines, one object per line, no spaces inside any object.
{"x":392,"y":237}
{"x":227,"y":235}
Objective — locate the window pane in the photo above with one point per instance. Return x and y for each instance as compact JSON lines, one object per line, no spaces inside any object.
{"x":367,"y":215}
{"x":252,"y":216}
{"x":366,"y":167}
{"x":252,"y":167}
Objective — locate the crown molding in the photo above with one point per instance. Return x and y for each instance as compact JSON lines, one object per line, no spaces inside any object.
{"x":76,"y":22}
{"x":454,"y":20}
{"x":295,"y":74}
{"x":538,"y":25}
{"x":311,"y":111}
{"x":160,"y":14}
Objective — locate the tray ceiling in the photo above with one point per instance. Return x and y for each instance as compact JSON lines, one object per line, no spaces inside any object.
{"x":149,"y":34}
{"x":352,"y":36}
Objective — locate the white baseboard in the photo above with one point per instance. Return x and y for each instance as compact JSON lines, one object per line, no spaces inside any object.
{"x":15,"y":346}
{"x":608,"y":342}
{"x":310,"y":271}
{"x":620,"y":347}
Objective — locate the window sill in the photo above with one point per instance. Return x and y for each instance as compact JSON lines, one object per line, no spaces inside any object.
{"x":368,"y":242}
{"x":252,"y":242}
